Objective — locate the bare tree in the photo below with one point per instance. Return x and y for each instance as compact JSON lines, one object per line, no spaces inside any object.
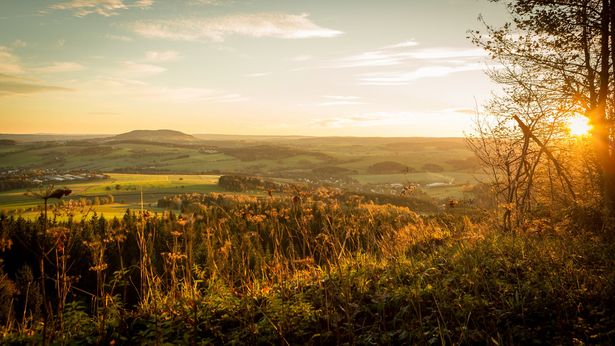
{"x":557,"y":58}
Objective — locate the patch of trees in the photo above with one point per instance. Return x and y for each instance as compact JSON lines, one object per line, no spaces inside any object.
{"x":269,"y":152}
{"x":238,"y":183}
{"x":389,"y":167}
{"x":331,"y":171}
{"x":95,"y":150}
{"x":15,"y":183}
{"x":7,"y":142}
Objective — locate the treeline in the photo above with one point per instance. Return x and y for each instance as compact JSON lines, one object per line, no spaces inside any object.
{"x":239,"y":183}
{"x":13,"y":183}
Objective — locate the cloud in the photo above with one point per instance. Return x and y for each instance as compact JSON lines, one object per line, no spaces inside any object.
{"x":9,"y":62}
{"x":447,"y":53}
{"x":209,"y":2}
{"x":13,"y":85}
{"x":60,"y":67}
{"x":373,"y":58}
{"x":393,"y":55}
{"x":365,"y":120}
{"x":118,"y":82}
{"x":81,"y":8}
{"x":341,"y":98}
{"x":216,"y":29}
{"x":403,"y":78}
{"x":162,"y":56}
{"x":464,"y":111}
{"x":19,"y":43}
{"x":60,"y":43}
{"x":404,"y":44}
{"x":142,"y":69}
{"x":120,"y":38}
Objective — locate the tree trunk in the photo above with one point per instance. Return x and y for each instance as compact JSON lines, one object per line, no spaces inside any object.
{"x":602,"y":127}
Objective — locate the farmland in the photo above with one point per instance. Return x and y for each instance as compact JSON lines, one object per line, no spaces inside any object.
{"x":443,"y":168}
{"x":126,"y":190}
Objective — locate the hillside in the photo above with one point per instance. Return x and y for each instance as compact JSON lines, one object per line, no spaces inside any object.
{"x":165,"y":136}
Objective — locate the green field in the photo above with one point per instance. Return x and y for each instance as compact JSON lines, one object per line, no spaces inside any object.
{"x":161,"y":168}
{"x":126,"y":190}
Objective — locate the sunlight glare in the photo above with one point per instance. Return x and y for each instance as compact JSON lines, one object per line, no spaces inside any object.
{"x":579,"y":125}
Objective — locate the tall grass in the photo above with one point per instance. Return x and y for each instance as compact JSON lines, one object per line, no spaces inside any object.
{"x":311,"y":268}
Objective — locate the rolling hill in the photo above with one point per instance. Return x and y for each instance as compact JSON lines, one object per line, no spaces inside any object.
{"x":164,"y":136}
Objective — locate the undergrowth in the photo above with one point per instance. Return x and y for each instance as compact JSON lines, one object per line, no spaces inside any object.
{"x":306,"y":270}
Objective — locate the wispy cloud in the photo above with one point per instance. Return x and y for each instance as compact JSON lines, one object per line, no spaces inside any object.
{"x":161,"y":56}
{"x":216,"y":29}
{"x":341,"y":98}
{"x":19,"y":43}
{"x":404,"y":52}
{"x":9,"y":62}
{"x":81,"y":8}
{"x":447,"y":53}
{"x":404,"y":44}
{"x":365,"y":120}
{"x":13,"y":85}
{"x":119,"y":38}
{"x":59,"y":67}
{"x":209,"y":2}
{"x":142,"y":69}
{"x":464,"y":111}
{"x":403,"y":77}
{"x":372,"y":58}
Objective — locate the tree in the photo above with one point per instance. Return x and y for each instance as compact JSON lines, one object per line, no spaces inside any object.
{"x":559,"y":56}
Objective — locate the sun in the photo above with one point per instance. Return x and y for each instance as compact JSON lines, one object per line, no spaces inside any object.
{"x":579,"y":125}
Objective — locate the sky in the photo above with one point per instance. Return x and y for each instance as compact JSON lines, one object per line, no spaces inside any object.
{"x":249,"y":67}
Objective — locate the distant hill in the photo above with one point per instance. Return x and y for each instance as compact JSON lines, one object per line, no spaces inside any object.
{"x":163,"y":136}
